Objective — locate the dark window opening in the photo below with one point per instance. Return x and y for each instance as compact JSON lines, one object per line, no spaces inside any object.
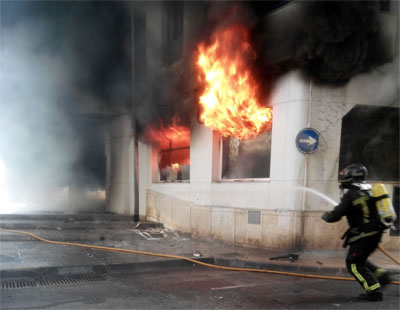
{"x":370,"y":136}
{"x":246,"y":159}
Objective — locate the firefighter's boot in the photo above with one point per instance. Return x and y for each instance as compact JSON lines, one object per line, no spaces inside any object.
{"x":375,"y":295}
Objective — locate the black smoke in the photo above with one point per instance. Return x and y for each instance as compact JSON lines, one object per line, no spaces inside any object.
{"x":331,"y":41}
{"x":340,"y":40}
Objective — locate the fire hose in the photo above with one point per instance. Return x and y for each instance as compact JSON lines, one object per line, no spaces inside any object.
{"x":121,"y":250}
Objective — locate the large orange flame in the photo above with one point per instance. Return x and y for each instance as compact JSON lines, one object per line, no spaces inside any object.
{"x":230,"y":99}
{"x":173,"y":136}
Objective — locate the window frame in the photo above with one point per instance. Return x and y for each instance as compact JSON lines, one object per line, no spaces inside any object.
{"x":237,"y":180}
{"x":158,"y":152}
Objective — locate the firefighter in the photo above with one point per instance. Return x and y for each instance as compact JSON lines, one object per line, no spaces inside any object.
{"x":364,"y":233}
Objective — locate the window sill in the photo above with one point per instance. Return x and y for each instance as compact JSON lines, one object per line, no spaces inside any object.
{"x":172,"y":182}
{"x":243,"y":180}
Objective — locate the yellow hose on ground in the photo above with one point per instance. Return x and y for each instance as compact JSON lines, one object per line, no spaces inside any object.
{"x":103,"y":248}
{"x":388,"y":255}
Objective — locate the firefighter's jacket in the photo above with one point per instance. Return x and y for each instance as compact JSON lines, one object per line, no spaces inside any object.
{"x":359,"y":208}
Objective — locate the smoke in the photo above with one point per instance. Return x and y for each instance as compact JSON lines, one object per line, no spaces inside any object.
{"x":161,"y":66}
{"x":59,"y":68}
{"x":37,"y":142}
{"x":172,"y":74}
{"x":63,"y":63}
{"x":172,"y":89}
{"x":331,"y":41}
{"x":340,"y":40}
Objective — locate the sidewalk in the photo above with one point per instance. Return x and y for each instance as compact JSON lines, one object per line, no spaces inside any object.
{"x":24,"y":257}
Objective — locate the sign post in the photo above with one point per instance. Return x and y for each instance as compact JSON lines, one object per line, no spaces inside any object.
{"x":306,"y":142}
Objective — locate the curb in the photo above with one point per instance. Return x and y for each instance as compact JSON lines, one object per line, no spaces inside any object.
{"x":62,"y":271}
{"x":82,"y":238}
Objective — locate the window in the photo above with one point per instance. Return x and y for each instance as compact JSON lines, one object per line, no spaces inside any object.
{"x":246,"y":159}
{"x":171,"y":152}
{"x":174,"y":161}
{"x":370,"y":136}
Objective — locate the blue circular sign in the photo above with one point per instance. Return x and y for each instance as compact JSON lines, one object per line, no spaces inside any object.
{"x":307,"y":140}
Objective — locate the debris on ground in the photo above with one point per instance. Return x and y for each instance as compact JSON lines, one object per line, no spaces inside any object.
{"x":291,"y":257}
{"x":157,"y":232}
{"x":197,"y":254}
{"x":149,"y":235}
{"x":149,"y":231}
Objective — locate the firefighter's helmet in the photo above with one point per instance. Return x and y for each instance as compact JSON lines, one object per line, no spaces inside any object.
{"x":355,"y":173}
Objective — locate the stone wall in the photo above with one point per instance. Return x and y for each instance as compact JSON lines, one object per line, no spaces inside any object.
{"x":277,"y":230}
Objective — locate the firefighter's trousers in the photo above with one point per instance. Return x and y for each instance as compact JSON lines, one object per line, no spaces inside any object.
{"x":358,"y":265}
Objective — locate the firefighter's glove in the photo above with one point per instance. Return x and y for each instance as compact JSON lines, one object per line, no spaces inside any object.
{"x":325,"y":216}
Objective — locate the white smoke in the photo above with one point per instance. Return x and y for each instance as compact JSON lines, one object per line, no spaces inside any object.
{"x":41,"y":78}
{"x":37,"y":143}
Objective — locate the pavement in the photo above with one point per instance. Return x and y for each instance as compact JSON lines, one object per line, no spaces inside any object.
{"x":23,"y":257}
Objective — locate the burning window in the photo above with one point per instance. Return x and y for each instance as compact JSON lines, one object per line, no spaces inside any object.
{"x":173,"y":150}
{"x":230,"y":103}
{"x":246,"y":159}
{"x":174,"y":162}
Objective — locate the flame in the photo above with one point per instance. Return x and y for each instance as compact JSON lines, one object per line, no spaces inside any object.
{"x":230,"y":99}
{"x":173,"y":136}
{"x":173,"y":142}
{"x":175,"y":166}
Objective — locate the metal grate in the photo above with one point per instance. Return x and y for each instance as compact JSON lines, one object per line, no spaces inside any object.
{"x":59,"y":281}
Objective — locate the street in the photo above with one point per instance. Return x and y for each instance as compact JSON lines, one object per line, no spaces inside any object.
{"x":196,"y":287}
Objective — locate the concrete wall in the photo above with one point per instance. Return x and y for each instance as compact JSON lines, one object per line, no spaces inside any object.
{"x":120,"y":157}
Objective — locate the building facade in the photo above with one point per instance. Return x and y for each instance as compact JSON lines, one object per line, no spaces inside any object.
{"x":266,"y":207}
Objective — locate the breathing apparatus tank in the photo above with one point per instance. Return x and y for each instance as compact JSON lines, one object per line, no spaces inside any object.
{"x":386,"y":212}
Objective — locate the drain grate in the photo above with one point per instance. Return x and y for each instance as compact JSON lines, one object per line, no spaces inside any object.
{"x":59,"y":281}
